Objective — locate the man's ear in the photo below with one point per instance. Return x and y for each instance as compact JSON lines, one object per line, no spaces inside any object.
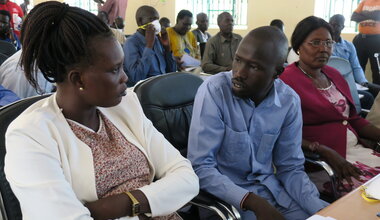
{"x":139,"y":21}
{"x":279,"y":70}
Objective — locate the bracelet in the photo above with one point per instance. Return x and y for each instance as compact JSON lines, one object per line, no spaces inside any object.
{"x":135,"y":205}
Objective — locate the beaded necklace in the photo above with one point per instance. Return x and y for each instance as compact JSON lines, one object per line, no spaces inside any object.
{"x":312,"y":78}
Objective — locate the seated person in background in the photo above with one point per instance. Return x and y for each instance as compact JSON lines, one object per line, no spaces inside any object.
{"x":182,"y":40}
{"x":16,"y":15}
{"x":234,"y":149}
{"x":13,"y":78}
{"x":119,"y":36}
{"x":331,"y":126}
{"x":147,"y":53}
{"x":278,"y":23}
{"x":88,"y":151}
{"x":346,"y":50}
{"x":6,"y":32}
{"x":7,"y":96}
{"x":221,"y":48}
{"x":165,"y":23}
{"x":201,"y":32}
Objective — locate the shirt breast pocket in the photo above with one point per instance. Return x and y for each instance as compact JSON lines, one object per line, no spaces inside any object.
{"x":264,"y":151}
{"x":236,"y":147}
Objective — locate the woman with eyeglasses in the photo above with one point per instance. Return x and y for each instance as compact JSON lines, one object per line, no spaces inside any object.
{"x":331,"y":126}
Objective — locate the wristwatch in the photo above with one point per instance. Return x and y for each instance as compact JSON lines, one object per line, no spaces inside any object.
{"x":135,"y":205}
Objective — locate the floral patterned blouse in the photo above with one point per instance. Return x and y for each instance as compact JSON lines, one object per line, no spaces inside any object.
{"x":119,"y":165}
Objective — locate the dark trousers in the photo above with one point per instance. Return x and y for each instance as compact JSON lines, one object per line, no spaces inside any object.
{"x":367,"y":101}
{"x":366,"y":47}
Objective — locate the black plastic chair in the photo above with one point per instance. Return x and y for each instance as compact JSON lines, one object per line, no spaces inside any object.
{"x":7,"y":48}
{"x":3,"y":58}
{"x":167,"y":100}
{"x":10,"y":207}
{"x":314,"y":162}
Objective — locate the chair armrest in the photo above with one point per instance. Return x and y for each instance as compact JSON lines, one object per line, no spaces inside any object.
{"x":311,"y":155}
{"x":210,"y":202}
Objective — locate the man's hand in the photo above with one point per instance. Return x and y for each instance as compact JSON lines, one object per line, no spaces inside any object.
{"x":262,"y":209}
{"x":342,"y":168}
{"x":149,"y":36}
{"x":164,"y":39}
{"x":179,"y":63}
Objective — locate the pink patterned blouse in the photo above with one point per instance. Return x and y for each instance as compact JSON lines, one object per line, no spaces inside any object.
{"x":119,"y":165}
{"x":336,"y":98}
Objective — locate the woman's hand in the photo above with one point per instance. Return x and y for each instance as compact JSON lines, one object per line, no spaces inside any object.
{"x":342,"y":168}
{"x":262,"y":209}
{"x":117,"y":206}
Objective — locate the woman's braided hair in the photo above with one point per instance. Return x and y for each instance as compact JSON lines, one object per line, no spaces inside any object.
{"x":56,"y":37}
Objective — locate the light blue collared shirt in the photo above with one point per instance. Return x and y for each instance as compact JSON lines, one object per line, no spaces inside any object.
{"x":234,"y":144}
{"x":346,"y":50}
{"x":141,"y":62}
{"x":7,"y":96}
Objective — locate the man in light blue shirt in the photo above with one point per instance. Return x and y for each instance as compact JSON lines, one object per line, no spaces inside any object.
{"x":346,"y":50}
{"x":245,"y":134}
{"x":147,"y":54}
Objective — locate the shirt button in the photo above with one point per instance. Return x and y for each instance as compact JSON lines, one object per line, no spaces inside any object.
{"x":344,"y":122}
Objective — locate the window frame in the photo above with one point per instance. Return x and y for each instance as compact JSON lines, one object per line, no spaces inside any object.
{"x":239,"y":11}
{"x":88,"y":5}
{"x":327,"y":8}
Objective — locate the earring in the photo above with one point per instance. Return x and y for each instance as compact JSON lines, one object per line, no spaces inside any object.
{"x":81,"y":89}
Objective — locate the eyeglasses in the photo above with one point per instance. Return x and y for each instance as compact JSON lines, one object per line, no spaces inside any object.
{"x":318,"y":43}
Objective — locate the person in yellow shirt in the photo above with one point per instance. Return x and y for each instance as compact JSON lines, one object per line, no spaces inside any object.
{"x":182,"y":40}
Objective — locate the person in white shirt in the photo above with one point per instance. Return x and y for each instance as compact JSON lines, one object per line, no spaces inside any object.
{"x":88,"y":151}
{"x":12,"y":77}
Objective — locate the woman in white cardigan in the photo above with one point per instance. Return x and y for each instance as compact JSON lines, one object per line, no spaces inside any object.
{"x":88,"y":151}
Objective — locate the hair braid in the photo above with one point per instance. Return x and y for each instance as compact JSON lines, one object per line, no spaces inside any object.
{"x":55,"y":38}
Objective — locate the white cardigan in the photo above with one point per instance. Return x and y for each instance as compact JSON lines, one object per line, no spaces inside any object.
{"x":51,"y":171}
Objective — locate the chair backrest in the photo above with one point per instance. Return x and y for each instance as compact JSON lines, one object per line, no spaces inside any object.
{"x":3,"y":58}
{"x":7,"y":115}
{"x":167,"y":100}
{"x":202,"y":47}
{"x":344,"y":67}
{"x":7,"y":48}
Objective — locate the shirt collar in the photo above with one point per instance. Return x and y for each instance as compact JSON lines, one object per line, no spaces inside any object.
{"x":141,"y":37}
{"x":223,"y":39}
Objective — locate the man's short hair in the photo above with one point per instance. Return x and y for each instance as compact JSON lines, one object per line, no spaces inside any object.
{"x":277,"y":23}
{"x":184,"y":13}
{"x":5,"y":13}
{"x":337,"y":17}
{"x":221,"y":16}
{"x":164,"y":19}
